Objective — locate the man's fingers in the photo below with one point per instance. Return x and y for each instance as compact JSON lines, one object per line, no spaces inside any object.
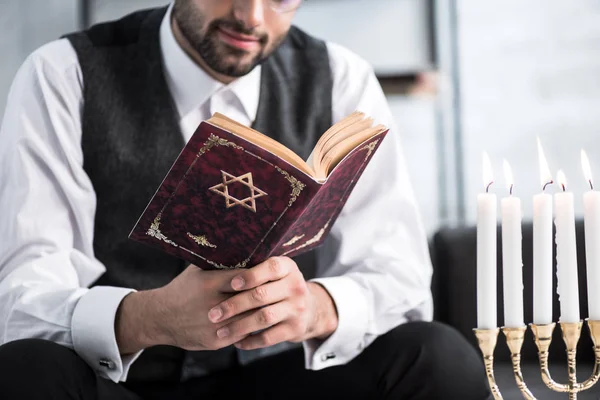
{"x":219,"y":279}
{"x":259,"y":319}
{"x":276,"y":334}
{"x":260,"y":296}
{"x":221,"y":342}
{"x":273,"y":269}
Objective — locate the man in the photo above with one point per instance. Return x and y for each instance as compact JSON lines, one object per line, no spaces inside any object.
{"x":93,"y":123}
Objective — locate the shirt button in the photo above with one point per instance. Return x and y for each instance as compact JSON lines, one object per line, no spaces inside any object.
{"x":327,"y":356}
{"x":107,"y":364}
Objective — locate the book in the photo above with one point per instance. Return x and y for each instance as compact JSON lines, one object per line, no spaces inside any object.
{"x":235,"y":197}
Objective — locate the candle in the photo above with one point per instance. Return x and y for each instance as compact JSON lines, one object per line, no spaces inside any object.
{"x":486,"y":252}
{"x":542,"y":246}
{"x":591,"y":215}
{"x":566,"y":253}
{"x":512,"y":261}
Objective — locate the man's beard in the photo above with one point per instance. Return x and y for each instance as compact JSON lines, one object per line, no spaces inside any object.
{"x":216,"y":54}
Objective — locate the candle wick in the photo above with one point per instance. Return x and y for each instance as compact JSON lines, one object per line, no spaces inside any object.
{"x":511,"y":189}
{"x":591,"y":184}
{"x":546,"y":184}
{"x":563,"y":187}
{"x":487,"y":188}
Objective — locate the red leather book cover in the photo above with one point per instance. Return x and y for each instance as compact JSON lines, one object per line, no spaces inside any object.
{"x":227,"y":203}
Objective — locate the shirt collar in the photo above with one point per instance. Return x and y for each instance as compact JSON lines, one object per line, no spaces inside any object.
{"x":191,"y":86}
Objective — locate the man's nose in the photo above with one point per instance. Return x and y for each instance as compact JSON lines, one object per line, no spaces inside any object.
{"x":250,"y":12}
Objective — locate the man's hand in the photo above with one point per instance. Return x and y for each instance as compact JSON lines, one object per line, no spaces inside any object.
{"x":176,"y":314}
{"x":274,"y":298}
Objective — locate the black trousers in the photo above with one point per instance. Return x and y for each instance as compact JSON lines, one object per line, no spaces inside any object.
{"x":417,"y":360}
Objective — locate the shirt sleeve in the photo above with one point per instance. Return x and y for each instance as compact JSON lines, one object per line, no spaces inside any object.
{"x":48,"y":205}
{"x":375,"y":262}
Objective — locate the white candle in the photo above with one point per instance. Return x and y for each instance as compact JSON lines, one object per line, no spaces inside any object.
{"x":486,"y":252}
{"x":566,"y":253}
{"x":591,"y":215}
{"x":512,"y":261}
{"x":542,"y":247}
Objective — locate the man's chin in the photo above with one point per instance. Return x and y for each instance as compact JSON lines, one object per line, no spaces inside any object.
{"x":237,"y":68}
{"x":239,"y":72}
{"x":230,"y":61}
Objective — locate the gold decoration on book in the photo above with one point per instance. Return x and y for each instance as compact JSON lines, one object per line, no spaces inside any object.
{"x":239,"y":265}
{"x":314,"y":239}
{"x":246,"y":180}
{"x":154,"y":231}
{"x":297,"y":186}
{"x":370,"y":148}
{"x":214,"y":140}
{"x":293,"y":240}
{"x":202,"y":240}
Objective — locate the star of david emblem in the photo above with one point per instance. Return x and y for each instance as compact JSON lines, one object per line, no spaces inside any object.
{"x":230,"y":201}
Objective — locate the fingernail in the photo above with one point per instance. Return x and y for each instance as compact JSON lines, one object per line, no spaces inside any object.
{"x":223,"y":332}
{"x":215,"y":314}
{"x":237,"y":283}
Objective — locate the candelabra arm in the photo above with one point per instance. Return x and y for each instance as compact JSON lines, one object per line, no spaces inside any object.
{"x":591,"y":381}
{"x":514,"y":340}
{"x":571,"y":331}
{"x":487,"y":339}
{"x":542,"y":334}
{"x":594,"y":327}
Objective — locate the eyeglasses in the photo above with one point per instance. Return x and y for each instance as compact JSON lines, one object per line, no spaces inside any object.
{"x":278,"y":6}
{"x":283,"y":6}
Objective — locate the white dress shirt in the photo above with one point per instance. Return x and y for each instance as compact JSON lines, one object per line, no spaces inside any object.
{"x":375,"y":262}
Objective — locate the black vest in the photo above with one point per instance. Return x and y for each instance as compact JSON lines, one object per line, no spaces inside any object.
{"x":131,"y":137}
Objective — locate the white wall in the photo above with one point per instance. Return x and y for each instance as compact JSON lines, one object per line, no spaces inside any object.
{"x":416,"y":122}
{"x":105,"y":10}
{"x":24,"y":26}
{"x":393,"y":35}
{"x":529,"y":68}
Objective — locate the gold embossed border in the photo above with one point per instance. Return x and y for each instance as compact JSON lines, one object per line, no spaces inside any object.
{"x":296,"y":188}
{"x":201,"y":240}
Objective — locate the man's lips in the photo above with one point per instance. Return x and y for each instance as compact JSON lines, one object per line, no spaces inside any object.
{"x":235,"y":39}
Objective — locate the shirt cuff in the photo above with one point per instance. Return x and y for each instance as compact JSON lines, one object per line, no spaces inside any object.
{"x":346,"y":342}
{"x":93,"y":331}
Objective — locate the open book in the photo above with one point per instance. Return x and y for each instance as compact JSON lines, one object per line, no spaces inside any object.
{"x":235,"y":197}
{"x":330,"y":149}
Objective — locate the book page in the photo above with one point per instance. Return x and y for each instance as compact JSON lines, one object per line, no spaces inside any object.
{"x":339,"y":140}
{"x":347,"y":132}
{"x":261,"y":140}
{"x":332,"y":147}
{"x":341,"y":149}
{"x":334,"y":130}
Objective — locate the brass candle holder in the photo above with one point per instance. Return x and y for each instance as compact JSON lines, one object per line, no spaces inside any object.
{"x":487,"y":339}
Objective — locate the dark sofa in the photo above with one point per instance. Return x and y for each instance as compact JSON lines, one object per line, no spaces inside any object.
{"x":454,"y":256}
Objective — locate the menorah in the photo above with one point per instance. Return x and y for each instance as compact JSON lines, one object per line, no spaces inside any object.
{"x":571,"y":332}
